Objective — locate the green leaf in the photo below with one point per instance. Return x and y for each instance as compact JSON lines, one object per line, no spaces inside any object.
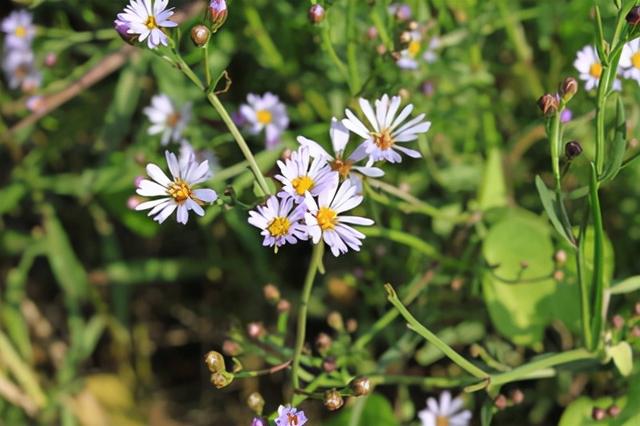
{"x":91,"y":335}
{"x":628,"y":285}
{"x":550,"y":204}
{"x":11,"y":196}
{"x":622,"y":357}
{"x":614,"y":160}
{"x":377,"y":411}
{"x":493,"y":191}
{"x":486,"y":413}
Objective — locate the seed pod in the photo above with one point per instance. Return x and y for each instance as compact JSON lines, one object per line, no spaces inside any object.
{"x":361,"y":386}
{"x":217,"y":13}
{"x":548,"y":104}
{"x":333,"y":400}
{"x":221,"y":379}
{"x":316,"y":13}
{"x":255,"y":402}
{"x":568,"y":88}
{"x":633,"y":17}
{"x":572,"y":150}
{"x":214,"y":361}
{"x":200,"y":35}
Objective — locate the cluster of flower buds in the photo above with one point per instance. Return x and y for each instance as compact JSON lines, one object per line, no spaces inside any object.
{"x":551,"y":103}
{"x":599,"y":414}
{"x":220,"y":377}
{"x":516,"y":397}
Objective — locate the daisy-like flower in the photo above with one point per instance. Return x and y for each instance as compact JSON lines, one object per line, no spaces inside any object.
{"x":447,"y":413}
{"x":386,"y":130}
{"x":410,"y":56}
{"x":268,"y":113}
{"x":339,"y":162}
{"x":588,"y":65}
{"x":280,"y":221}
{"x":324,"y":220}
{"x":178,"y":193}
{"x":147,"y":18}
{"x":19,"y":68}
{"x":200,"y":155}
{"x":401,"y":11}
{"x":167,"y":119}
{"x":630,"y":60}
{"x":19,"y":29}
{"x":290,"y":416}
{"x":300,"y":175}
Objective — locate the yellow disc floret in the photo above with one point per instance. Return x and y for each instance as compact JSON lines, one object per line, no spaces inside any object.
{"x":343,"y":167}
{"x":302,"y":184}
{"x":442,"y":421}
{"x":635,"y":60}
{"x":279,"y":226}
{"x":264,"y":117}
{"x":383,"y":139}
{"x":21,"y":31}
{"x":327,"y":218}
{"x":414,"y":48}
{"x":595,"y":69}
{"x":180,"y":191}
{"x":151,"y":22}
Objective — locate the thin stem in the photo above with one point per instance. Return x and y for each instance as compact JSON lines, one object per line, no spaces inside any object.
{"x":316,"y":259}
{"x":554,"y":142}
{"x":426,"y":382}
{"x":207,"y":69}
{"x":415,"y":325}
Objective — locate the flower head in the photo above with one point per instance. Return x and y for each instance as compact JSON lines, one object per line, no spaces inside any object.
{"x":290,"y":416}
{"x":630,"y":60}
{"x":19,"y":68}
{"x":19,"y":29}
{"x":324,"y":219}
{"x":146,"y":18}
{"x":590,"y":68}
{"x":177,"y":193}
{"x":385,"y":131}
{"x":414,"y":51}
{"x":268,"y":113}
{"x":200,"y":155}
{"x":166,"y":119}
{"x":401,"y":11}
{"x":446,"y":413}
{"x":280,"y":221}
{"x":301,"y":175}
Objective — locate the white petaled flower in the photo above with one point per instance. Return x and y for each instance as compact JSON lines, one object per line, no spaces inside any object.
{"x":409,"y":57}
{"x":630,"y":60}
{"x":386,"y":129}
{"x":324,"y":219}
{"x":430,"y":55}
{"x":280,"y":221}
{"x":167,"y":119}
{"x":268,"y":113}
{"x":447,"y":413}
{"x":301,"y":175}
{"x":590,"y":68}
{"x":19,"y":68}
{"x":19,"y":29}
{"x":177,"y":193}
{"x":290,"y":416}
{"x":146,"y":19}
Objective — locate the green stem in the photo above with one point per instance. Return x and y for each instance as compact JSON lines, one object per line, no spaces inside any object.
{"x":328,"y":46}
{"x":316,"y":260}
{"x":585,"y":307}
{"x":207,"y":69}
{"x":554,"y":142}
{"x":415,"y":325}
{"x":598,"y":285}
{"x":426,"y":382}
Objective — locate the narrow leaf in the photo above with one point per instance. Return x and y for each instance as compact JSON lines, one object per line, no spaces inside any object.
{"x":549,"y":203}
{"x":616,"y":155}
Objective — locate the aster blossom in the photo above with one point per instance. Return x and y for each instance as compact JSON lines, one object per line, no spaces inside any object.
{"x":19,"y":68}
{"x":19,"y":29}
{"x":324,"y":220}
{"x":280,"y":221}
{"x":590,"y":68}
{"x":386,"y":130}
{"x":448,"y":412}
{"x":301,"y":175}
{"x":166,"y":119}
{"x":290,"y":416}
{"x":146,"y":19}
{"x":266,"y":113}
{"x":630,"y":60}
{"x":177,"y":193}
{"x":410,"y":56}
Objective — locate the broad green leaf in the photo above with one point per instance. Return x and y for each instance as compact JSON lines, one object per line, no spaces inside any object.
{"x":493,"y":191}
{"x":377,"y":411}
{"x":622,"y":357}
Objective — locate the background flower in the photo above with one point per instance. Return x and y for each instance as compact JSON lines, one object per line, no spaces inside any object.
{"x":267,"y":113}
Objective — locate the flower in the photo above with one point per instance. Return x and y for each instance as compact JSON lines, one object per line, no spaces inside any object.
{"x":566,"y":115}
{"x":447,"y":413}
{"x":265,"y":112}
{"x":19,"y":29}
{"x":166,"y":119}
{"x":122,"y":28}
{"x":324,"y":221}
{"x":146,"y":18}
{"x":630,"y":60}
{"x":290,"y":416}
{"x":401,"y":11}
{"x":385,"y":130}
{"x":588,"y":65}
{"x":177,"y":193}
{"x":35,"y":103}
{"x":187,"y":151}
{"x":280,"y":221}
{"x":19,"y":68}
{"x":409,"y":57}
{"x":218,"y":13}
{"x":300,"y":175}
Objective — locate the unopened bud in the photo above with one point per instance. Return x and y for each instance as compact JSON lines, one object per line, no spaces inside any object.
{"x":255,"y":402}
{"x":316,"y":13}
{"x":230,"y":348}
{"x":572,"y":150}
{"x":561,"y":257}
{"x":633,"y":17}
{"x":568,"y":88}
{"x":558,"y":275}
{"x":360,"y":386}
{"x":636,"y":308}
{"x":500,"y":402}
{"x":635,"y":331}
{"x":617,"y":321}
{"x":255,"y":330}
{"x":548,"y":104}
{"x":413,"y":25}
{"x":271,"y":293}
{"x":405,"y":37}
{"x":200,"y":35}
{"x":372,"y":33}
{"x":598,"y":414}
{"x":218,"y":13}
{"x":329,"y":364}
{"x":323,"y":343}
{"x":333,"y":400}
{"x":221,"y":379}
{"x":334,"y":319}
{"x":613,"y":411}
{"x":51,"y":59}
{"x":381,"y":49}
{"x":352,"y":325}
{"x":283,"y":306}
{"x":214,"y":361}
{"x":517,"y":396}
{"x":122,"y":28}
{"x":259,"y":421}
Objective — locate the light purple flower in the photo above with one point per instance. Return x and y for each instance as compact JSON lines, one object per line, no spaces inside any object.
{"x":301,"y":175}
{"x":268,"y":113}
{"x":146,"y":19}
{"x":19,"y":68}
{"x":290,"y":416}
{"x":566,"y":115}
{"x":280,"y":221}
{"x":19,"y":29}
{"x":401,"y":11}
{"x":448,"y":412}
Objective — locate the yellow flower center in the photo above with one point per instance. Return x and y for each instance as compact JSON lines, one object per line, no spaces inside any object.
{"x":173,"y":119}
{"x":414,"y":48}
{"x":151,"y":22}
{"x":326,"y":218}
{"x":292,"y":419}
{"x":383,"y":140}
{"x":595,"y":70}
{"x":302,"y":184}
{"x":343,"y":167}
{"x":635,"y":60}
{"x":180,"y":191}
{"x":21,"y":31}
{"x":279,"y":226}
{"x":264,"y":117}
{"x":442,"y":421}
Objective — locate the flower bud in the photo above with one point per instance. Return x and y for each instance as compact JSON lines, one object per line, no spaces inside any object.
{"x":283,"y":306}
{"x":372,"y":33}
{"x":405,"y":37}
{"x":231,"y":348}
{"x":334,"y":319}
{"x":333,"y":400}
{"x":323,"y":343}
{"x":214,"y":361}
{"x":635,"y":331}
{"x":51,"y":59}
{"x":200,"y":35}
{"x":568,"y":88}
{"x":633,"y":17}
{"x":259,"y":421}
{"x":271,"y":293}
{"x":122,"y":28}
{"x":561,"y":257}
{"x":598,"y":414}
{"x":217,"y":13}
{"x":352,"y":325}
{"x":517,"y":396}
{"x":548,"y":104}
{"x":221,"y":379}
{"x":613,"y":411}
{"x":500,"y":402}
{"x":572,"y":150}
{"x":316,"y":13}
{"x":618,"y":322}
{"x":255,"y":330}
{"x":255,"y":402}
{"x":329,"y":364}
{"x":360,"y":386}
